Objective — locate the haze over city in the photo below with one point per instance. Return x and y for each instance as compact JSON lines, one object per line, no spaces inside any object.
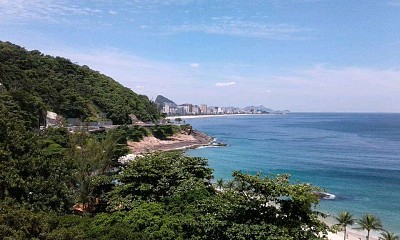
{"x":302,"y":55}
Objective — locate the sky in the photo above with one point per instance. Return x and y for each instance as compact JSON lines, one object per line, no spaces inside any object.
{"x":300,"y":55}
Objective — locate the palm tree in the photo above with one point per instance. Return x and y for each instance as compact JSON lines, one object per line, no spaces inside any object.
{"x":344,"y":219}
{"x":220,"y":183}
{"x":369,"y":222}
{"x":230,"y":185}
{"x":385,"y":235}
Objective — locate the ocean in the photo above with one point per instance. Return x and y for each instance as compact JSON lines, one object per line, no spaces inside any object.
{"x":355,"y":156}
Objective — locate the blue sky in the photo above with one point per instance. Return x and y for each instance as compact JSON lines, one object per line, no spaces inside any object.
{"x":302,"y":55}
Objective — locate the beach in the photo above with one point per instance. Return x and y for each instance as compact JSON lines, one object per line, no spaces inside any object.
{"x":179,"y":141}
{"x":352,"y":234}
{"x":215,"y":115}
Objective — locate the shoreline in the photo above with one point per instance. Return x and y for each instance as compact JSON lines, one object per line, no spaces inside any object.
{"x":220,"y":115}
{"x":352,"y":234}
{"x":180,"y":141}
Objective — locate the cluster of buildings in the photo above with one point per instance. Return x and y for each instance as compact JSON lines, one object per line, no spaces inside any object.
{"x":203,"y":109}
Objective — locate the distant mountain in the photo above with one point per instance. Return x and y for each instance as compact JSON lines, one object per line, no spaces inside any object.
{"x":258,"y":108}
{"x":161,"y":100}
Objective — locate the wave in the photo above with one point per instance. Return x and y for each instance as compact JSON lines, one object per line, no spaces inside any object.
{"x":325,"y":195}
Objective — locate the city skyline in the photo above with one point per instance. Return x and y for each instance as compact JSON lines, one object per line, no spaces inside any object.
{"x":301,"y":55}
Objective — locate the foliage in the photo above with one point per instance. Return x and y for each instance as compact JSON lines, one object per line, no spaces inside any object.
{"x":345,"y":219}
{"x":169,"y":196}
{"x":34,"y":170}
{"x":369,"y":222}
{"x":19,"y":223}
{"x":133,"y":133}
{"x":385,"y":235}
{"x":158,"y":196}
{"x":178,"y":120}
{"x":39,"y":82}
{"x":157,"y":177}
{"x":270,"y":205}
{"x":163,"y":132}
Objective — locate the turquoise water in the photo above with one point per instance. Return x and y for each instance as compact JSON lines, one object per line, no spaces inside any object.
{"x":354,"y":156}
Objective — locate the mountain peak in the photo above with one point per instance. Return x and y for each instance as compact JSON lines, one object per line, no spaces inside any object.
{"x":161,"y":100}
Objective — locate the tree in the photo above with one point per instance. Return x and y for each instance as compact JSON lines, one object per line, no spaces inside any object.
{"x":34,"y":171}
{"x":93,"y":159}
{"x":258,"y":208}
{"x":385,"y":235}
{"x":157,"y":177}
{"x":230,"y":184}
{"x":178,"y":120}
{"x":220,"y":184}
{"x":344,"y":219}
{"x":369,"y":222}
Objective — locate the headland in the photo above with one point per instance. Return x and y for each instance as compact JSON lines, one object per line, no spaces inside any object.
{"x":179,"y":141}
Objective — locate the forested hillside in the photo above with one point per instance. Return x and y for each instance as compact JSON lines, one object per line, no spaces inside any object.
{"x":60,"y":185}
{"x":38,"y":82}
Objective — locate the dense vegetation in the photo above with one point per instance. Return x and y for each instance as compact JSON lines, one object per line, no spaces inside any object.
{"x":58,"y":185}
{"x":38,"y":82}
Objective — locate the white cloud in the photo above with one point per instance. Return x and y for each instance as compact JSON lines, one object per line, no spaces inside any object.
{"x":20,"y":11}
{"x":144,"y":76}
{"x":42,"y":10}
{"x":283,"y":3}
{"x":395,"y":3}
{"x":241,"y":28}
{"x":224,"y":84}
{"x":324,"y":88}
{"x":194,"y":65}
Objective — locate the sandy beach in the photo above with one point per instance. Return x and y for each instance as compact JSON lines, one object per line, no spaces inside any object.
{"x":352,"y":234}
{"x":176,"y":142}
{"x":214,"y":115}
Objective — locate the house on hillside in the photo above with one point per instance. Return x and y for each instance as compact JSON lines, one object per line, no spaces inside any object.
{"x":53,"y":120}
{"x":74,"y":122}
{"x":134,"y":119}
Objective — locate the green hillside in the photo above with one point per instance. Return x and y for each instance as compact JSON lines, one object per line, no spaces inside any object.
{"x":57,"y":185}
{"x":39,"y":82}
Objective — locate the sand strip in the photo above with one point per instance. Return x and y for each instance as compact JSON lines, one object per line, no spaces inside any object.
{"x":352,"y":234}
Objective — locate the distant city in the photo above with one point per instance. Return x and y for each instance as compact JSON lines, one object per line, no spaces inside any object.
{"x":170,"y":108}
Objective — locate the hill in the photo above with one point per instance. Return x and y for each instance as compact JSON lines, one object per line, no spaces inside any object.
{"x":161,"y":100}
{"x":38,"y":82}
{"x":258,"y":108}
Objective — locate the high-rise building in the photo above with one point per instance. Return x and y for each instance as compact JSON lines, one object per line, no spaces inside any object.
{"x":165,"y":109}
{"x":196,"y":110}
{"x":181,"y":110}
{"x":203,"y":109}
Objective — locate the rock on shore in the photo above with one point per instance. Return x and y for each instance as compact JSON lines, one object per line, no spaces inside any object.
{"x":181,"y":140}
